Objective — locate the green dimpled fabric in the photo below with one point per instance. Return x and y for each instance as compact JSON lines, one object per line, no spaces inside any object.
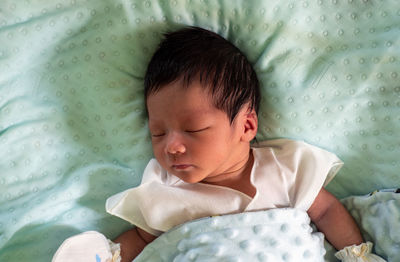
{"x":72,"y":122}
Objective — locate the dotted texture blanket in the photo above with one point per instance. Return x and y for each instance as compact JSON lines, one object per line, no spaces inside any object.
{"x":277,"y":235}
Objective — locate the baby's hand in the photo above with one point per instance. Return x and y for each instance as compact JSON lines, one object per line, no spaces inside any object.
{"x":360,"y":253}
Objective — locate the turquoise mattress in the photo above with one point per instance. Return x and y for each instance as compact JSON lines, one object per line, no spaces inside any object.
{"x":73,"y":129}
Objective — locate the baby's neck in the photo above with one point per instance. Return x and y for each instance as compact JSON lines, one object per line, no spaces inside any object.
{"x":238,"y":180}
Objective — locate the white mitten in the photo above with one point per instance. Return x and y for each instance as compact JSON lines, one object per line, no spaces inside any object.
{"x":360,"y":253}
{"x":88,"y":246}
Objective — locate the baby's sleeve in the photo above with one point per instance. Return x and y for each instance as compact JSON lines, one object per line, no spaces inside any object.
{"x":314,"y":168}
{"x":306,"y":170}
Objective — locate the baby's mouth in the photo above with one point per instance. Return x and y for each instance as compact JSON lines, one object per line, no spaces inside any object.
{"x":181,"y":166}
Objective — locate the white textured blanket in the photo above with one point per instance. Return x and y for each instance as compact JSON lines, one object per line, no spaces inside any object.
{"x":273,"y":235}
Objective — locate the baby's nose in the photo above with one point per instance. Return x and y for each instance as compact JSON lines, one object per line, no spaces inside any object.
{"x":175,"y":145}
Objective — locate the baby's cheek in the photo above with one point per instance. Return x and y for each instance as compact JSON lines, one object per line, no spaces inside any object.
{"x":158,"y":153}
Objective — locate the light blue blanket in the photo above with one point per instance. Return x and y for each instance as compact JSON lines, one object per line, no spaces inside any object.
{"x":378,"y":216}
{"x":278,"y":235}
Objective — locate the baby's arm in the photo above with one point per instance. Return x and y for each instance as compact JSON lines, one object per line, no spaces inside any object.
{"x":332,"y":219}
{"x":133,"y":242}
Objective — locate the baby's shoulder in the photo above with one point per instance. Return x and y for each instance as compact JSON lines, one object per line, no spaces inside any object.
{"x":281,"y":144}
{"x":293,"y":150}
{"x":288,"y":146}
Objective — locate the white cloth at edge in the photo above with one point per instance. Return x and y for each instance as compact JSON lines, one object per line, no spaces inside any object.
{"x":285,"y":173}
{"x":360,"y":253}
{"x":88,"y":246}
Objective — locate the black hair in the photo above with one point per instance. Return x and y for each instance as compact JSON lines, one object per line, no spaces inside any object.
{"x":193,"y":53}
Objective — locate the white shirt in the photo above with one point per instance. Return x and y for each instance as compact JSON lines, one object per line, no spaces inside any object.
{"x":285,"y":173}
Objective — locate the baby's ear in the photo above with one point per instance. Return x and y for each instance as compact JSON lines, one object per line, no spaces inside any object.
{"x":250,"y":122}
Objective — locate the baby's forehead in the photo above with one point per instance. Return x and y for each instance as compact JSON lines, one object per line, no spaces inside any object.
{"x":181,"y":88}
{"x":182,"y":116}
{"x":178,"y":94}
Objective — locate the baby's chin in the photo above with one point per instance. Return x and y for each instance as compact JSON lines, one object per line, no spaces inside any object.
{"x":188,"y":176}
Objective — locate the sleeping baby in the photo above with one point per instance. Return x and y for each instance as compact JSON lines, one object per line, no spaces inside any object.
{"x":202,"y":97}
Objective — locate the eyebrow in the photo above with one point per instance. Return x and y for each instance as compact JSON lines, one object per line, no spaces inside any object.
{"x":187,"y":118}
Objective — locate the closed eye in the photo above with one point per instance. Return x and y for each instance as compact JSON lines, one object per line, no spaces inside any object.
{"x":197,"y":130}
{"x":157,"y":135}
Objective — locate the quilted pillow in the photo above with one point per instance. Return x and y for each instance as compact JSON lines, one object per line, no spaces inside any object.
{"x":72,"y":124}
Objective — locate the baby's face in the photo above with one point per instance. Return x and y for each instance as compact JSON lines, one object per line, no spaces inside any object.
{"x":191,"y":138}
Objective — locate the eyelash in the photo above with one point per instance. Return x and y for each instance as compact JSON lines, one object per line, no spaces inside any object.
{"x":157,"y":135}
{"x":196,"y":131}
{"x":188,"y":131}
